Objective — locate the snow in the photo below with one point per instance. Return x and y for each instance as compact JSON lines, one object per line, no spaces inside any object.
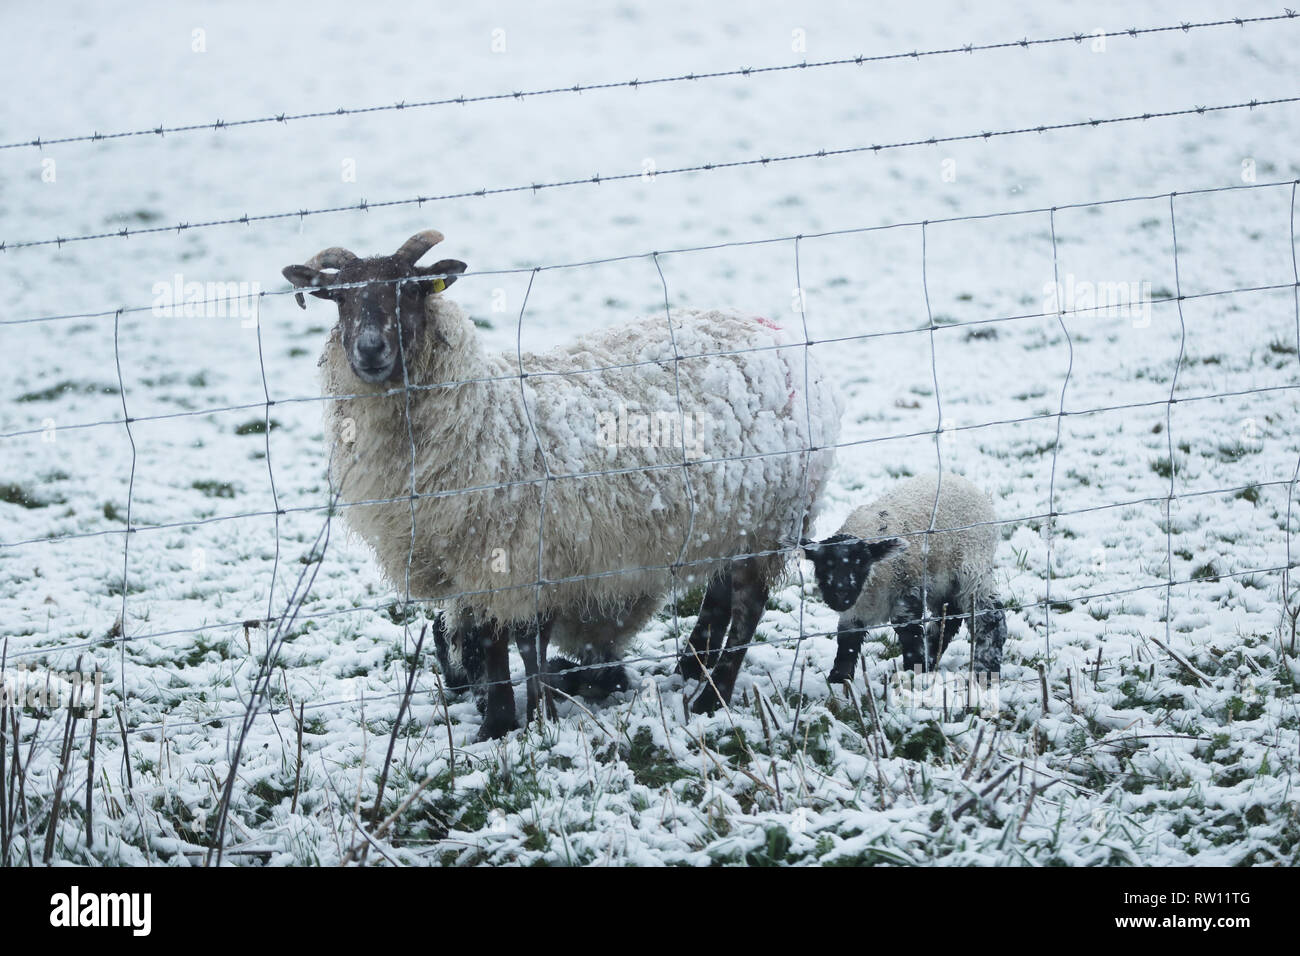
{"x":1140,"y":763}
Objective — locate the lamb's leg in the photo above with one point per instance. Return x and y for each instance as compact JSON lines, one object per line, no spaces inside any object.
{"x":499,"y":715}
{"x":911,"y":635}
{"x":938,"y":632}
{"x":848,"y":644}
{"x":749,"y":597}
{"x":710,"y":631}
{"x":989,"y":633}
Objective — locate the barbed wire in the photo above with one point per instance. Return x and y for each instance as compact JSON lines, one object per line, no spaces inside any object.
{"x":1025,"y":43}
{"x":224,"y":300}
{"x":596,"y":180}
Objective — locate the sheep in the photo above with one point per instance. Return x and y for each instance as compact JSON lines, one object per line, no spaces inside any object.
{"x":886,"y":565}
{"x":537,"y":514}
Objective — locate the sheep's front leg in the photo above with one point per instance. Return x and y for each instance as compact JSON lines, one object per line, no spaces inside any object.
{"x":848,"y":644}
{"x":532,"y":641}
{"x":710,"y":631}
{"x":749,"y":597}
{"x":499,"y":715}
{"x":988,"y":634}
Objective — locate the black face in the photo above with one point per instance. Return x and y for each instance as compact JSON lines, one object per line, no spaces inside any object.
{"x":391,"y":290}
{"x":843,"y":563}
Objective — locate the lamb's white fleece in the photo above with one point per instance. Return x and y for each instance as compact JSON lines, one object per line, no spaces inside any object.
{"x":486,"y":441}
{"x":957,"y":564}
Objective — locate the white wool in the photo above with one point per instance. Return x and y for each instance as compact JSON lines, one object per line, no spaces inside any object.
{"x":957,"y":564}
{"x":472,"y":430}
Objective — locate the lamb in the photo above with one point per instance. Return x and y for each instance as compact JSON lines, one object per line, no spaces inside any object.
{"x":886,"y":565}
{"x":537,"y":515}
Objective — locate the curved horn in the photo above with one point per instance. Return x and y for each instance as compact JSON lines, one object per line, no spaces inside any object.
{"x":335,"y":257}
{"x":418,"y":245}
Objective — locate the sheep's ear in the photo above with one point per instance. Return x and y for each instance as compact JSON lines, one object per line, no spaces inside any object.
{"x":304,"y":277}
{"x":446,"y":271}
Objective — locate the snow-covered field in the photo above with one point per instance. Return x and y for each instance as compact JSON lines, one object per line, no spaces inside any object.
{"x":1163,"y":741}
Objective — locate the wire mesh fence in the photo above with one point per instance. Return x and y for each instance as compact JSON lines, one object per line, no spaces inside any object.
{"x":1061,"y":305}
{"x":1285,"y":190}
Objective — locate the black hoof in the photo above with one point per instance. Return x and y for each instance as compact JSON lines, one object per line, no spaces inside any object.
{"x":495,"y":730}
{"x":841,"y":675}
{"x":708,"y":702}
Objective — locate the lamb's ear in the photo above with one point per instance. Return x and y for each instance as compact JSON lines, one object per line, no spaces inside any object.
{"x":820,"y":551}
{"x":305,"y":277}
{"x":446,"y":271}
{"x":879,"y":550}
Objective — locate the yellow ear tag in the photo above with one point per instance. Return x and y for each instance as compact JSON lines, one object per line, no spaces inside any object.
{"x":439,"y":285}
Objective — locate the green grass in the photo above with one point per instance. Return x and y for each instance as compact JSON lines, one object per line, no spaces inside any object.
{"x":257,"y":426}
{"x":652,"y":766}
{"x":215,"y":489}
{"x":67,"y":388}
{"x":15,"y":494}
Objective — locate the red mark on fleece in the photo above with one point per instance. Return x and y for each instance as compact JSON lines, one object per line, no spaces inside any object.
{"x":768,"y":323}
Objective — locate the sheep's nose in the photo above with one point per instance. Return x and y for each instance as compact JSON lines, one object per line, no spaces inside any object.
{"x":370,"y":348}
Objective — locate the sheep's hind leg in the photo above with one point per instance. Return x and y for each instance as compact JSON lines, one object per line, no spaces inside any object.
{"x":710,"y":633}
{"x":465,"y":671}
{"x":499,"y":715}
{"x":749,"y":597}
{"x":532,"y":640}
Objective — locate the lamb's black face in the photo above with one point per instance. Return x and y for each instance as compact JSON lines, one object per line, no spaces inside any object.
{"x":381,"y":302}
{"x":843,"y":563}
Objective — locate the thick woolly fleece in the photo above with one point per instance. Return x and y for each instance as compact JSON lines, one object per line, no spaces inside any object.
{"x":954,"y":566}
{"x":573,"y":475}
{"x":926,"y":546}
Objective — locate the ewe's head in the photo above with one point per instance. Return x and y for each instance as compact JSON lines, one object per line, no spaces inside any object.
{"x":843,"y":563}
{"x":373,"y":338}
